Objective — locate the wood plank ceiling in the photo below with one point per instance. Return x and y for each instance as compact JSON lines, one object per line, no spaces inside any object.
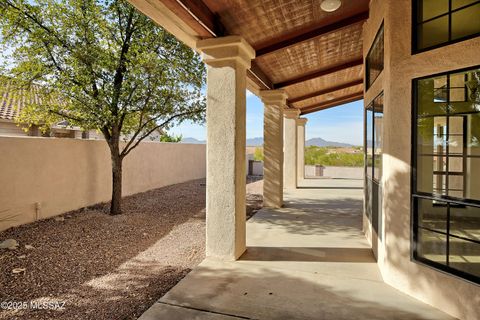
{"x":314,"y":55}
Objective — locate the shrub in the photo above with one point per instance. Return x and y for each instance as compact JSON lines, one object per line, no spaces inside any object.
{"x":324,"y":156}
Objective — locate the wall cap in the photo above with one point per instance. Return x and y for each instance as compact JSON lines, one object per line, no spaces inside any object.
{"x":276,"y":97}
{"x":291,"y":113}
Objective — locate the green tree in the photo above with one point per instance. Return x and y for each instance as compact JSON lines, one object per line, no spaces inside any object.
{"x":323,"y":156}
{"x":100,"y":64}
{"x":170,"y":138}
{"x":258,"y":154}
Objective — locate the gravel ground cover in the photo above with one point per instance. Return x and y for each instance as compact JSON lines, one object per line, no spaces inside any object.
{"x":89,"y":265}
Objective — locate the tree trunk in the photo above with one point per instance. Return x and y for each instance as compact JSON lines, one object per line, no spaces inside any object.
{"x":116,"y":204}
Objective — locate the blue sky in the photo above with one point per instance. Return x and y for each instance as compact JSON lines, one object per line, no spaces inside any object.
{"x":340,"y":124}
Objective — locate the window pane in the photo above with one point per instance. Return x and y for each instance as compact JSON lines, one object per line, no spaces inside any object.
{"x":455,"y":164}
{"x":427,"y":180}
{"x":432,"y":246}
{"x":455,"y":144}
{"x":465,"y":222}
{"x":458,"y":89}
{"x":464,"y":256}
{"x":378,"y":137}
{"x":433,"y":32}
{"x":375,"y":58}
{"x":462,"y":107}
{"x":472,"y":177}
{"x":473,"y":134}
{"x":455,"y":125}
{"x":466,"y":22}
{"x":455,"y":186}
{"x":431,"y":8}
{"x":369,"y":139}
{"x":431,"y":135}
{"x":432,"y":214}
{"x":432,"y":96}
{"x":432,"y":155}
{"x":471,"y":92}
{"x":461,"y":3}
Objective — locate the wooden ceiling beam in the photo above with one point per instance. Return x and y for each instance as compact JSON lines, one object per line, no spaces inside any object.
{"x":199,"y":13}
{"x":291,"y":40}
{"x":327,"y":90}
{"x":319,"y":73}
{"x":260,"y":75}
{"x":332,"y":103}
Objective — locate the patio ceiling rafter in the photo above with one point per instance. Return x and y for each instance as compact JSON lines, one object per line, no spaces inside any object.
{"x":291,"y":40}
{"x":332,"y":103}
{"x":327,"y":90}
{"x":319,"y":73}
{"x":201,"y":19}
{"x":260,"y":75}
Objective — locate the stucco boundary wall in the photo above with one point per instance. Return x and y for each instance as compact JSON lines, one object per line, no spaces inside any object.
{"x":337,"y":172}
{"x":44,"y":177}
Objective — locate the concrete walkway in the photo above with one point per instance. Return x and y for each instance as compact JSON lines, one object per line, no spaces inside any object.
{"x":309,"y":260}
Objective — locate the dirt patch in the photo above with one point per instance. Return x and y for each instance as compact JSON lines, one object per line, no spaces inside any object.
{"x":106,"y":267}
{"x":254,"y":195}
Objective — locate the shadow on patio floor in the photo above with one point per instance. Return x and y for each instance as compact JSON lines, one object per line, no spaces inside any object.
{"x":309,"y":254}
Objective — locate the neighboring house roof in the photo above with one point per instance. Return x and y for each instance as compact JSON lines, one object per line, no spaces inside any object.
{"x":12,"y":99}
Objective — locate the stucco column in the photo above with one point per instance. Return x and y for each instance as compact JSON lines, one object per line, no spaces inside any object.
{"x":227,"y":60}
{"x":274,"y":102}
{"x":290,"y":148}
{"x":301,"y":150}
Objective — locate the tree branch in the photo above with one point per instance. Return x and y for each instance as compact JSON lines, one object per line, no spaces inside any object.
{"x":39,"y":24}
{"x":121,"y":68}
{"x":141,"y":125}
{"x":64,"y":115}
{"x":126,"y":151}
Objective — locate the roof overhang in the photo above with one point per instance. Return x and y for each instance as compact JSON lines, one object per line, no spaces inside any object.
{"x":315,"y":56}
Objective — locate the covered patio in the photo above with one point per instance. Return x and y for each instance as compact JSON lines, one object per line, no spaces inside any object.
{"x":308,"y":260}
{"x":298,"y":57}
{"x":310,"y":255}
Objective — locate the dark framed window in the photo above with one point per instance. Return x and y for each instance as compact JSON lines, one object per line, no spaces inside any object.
{"x":441,"y":22}
{"x":369,"y":141}
{"x":375,"y":59}
{"x":373,"y":163}
{"x":446,"y":172}
{"x":374,"y":138}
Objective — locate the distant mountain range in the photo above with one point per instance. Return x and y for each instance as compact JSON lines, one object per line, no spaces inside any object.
{"x":258,"y":141}
{"x":319,"y":142}
{"x":193,"y":140}
{"x":255,"y":142}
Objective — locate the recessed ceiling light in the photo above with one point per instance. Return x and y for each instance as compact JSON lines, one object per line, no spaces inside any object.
{"x":329,"y":97}
{"x":330,"y":5}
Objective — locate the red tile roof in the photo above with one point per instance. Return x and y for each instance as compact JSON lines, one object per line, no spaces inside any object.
{"x":13,"y":99}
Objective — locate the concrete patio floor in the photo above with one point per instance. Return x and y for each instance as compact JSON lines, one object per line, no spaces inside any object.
{"x":308,"y":260}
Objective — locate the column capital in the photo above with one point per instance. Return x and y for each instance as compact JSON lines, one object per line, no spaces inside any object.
{"x":301,"y":121}
{"x":291,"y":113}
{"x":276,"y":97}
{"x":224,"y":50}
